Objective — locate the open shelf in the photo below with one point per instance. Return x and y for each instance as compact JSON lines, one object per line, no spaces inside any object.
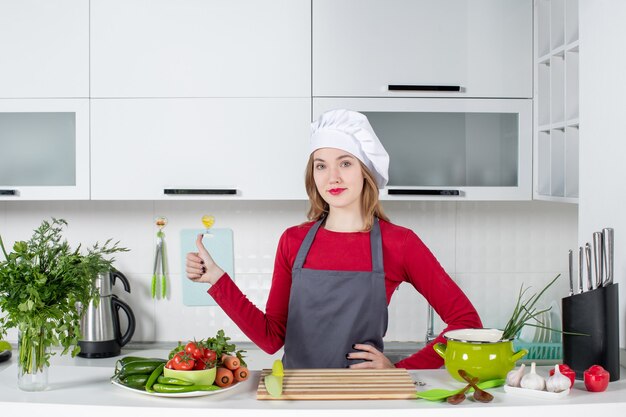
{"x":557,"y":100}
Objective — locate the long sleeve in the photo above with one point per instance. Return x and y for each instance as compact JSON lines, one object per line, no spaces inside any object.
{"x":424,"y":272}
{"x":266,"y":330}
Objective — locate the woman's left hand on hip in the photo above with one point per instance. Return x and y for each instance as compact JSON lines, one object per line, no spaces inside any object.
{"x":374,"y":359}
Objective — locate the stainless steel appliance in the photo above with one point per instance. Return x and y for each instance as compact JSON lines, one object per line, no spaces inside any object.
{"x":100,"y":324}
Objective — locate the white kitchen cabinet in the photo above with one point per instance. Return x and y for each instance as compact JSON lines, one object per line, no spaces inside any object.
{"x":216,"y":148}
{"x":44,"y":149}
{"x":556,"y":101}
{"x":200,"y":48}
{"x":44,"y":48}
{"x":450,"y":149}
{"x":444,"y":48}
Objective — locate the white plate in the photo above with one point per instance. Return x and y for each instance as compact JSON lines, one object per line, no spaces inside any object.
{"x":547,"y":334}
{"x":179,"y":395}
{"x":533,"y":393}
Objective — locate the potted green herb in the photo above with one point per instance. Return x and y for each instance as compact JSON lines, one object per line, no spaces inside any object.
{"x":41,"y":282}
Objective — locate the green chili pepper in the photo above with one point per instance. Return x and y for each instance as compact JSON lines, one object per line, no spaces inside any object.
{"x":153,"y":377}
{"x":176,"y":389}
{"x":173,"y":381}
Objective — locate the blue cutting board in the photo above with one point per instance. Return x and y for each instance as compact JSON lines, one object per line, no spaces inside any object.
{"x":219,"y":243}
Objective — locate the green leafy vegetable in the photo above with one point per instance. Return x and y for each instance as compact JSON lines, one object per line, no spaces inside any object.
{"x":41,"y":282}
{"x":524,"y":311}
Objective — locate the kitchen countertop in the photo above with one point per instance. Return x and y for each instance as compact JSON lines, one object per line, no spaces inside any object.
{"x":82,"y":387}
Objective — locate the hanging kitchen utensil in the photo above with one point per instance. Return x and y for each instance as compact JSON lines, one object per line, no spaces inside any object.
{"x":159,"y":273}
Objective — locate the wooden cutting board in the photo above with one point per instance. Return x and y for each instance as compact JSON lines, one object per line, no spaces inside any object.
{"x":342,"y":384}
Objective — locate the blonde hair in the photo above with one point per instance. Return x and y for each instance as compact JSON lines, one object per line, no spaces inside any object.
{"x":370,"y":204}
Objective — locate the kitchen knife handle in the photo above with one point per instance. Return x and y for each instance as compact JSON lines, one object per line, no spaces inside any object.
{"x":571,"y":271}
{"x":408,"y":191}
{"x":8,"y":192}
{"x":581,"y":268}
{"x":589,"y":262}
{"x":200,"y":191}
{"x":598,"y":254}
{"x":410,"y":87}
{"x":607,"y":239}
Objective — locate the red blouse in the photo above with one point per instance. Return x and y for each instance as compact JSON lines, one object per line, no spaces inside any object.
{"x":405,"y":257}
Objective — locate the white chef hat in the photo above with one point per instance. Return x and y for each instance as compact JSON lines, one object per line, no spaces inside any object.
{"x":351,"y":131}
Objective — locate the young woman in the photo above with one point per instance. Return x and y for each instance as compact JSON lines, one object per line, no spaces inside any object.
{"x":334,"y":275}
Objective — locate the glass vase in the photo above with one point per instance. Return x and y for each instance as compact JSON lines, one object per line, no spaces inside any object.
{"x":32,"y":361}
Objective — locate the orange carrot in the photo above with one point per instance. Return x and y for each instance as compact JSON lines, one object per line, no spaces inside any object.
{"x":241,"y":374}
{"x":230,"y":362}
{"x":224,"y":377}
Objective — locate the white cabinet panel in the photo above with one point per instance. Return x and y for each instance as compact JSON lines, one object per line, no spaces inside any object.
{"x":44,"y":48}
{"x":360,"y":47}
{"x":450,"y":149}
{"x":200,"y":48}
{"x":44,"y":149}
{"x":258,"y":147}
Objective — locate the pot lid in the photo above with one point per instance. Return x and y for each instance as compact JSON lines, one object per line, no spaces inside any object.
{"x":475,"y":335}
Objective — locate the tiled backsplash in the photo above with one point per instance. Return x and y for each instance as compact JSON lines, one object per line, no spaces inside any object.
{"x":489,"y":248}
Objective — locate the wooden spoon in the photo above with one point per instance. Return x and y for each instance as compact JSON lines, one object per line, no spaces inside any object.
{"x":479,"y":394}
{"x":459,"y":397}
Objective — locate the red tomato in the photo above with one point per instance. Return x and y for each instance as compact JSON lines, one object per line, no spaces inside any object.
{"x":209,"y":355}
{"x":183,"y":362}
{"x":200,"y":365}
{"x":170,"y":364}
{"x":568,"y":372}
{"x":596,"y":378}
{"x":192,"y":350}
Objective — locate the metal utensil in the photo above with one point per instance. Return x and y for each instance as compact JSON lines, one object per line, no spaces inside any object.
{"x":598,"y":254}
{"x":589,"y":262}
{"x":571,"y":271}
{"x":581,"y":269}
{"x":607,"y":239}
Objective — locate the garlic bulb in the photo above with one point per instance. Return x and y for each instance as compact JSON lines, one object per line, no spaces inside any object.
{"x":557,"y":382}
{"x":514,"y":377}
{"x":532,"y":380}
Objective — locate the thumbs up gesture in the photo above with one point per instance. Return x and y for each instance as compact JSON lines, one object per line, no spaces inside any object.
{"x":200,"y":266}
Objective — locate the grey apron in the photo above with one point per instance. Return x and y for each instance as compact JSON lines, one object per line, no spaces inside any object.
{"x":329,"y":311}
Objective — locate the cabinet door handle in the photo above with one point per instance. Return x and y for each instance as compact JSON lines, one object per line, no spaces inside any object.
{"x":8,"y":192}
{"x":408,"y":87}
{"x":407,"y":191}
{"x":200,"y":191}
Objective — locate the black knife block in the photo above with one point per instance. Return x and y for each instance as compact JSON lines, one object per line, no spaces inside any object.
{"x":595,"y":313}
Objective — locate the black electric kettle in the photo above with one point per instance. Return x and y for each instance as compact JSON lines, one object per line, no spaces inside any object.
{"x":101,"y":336}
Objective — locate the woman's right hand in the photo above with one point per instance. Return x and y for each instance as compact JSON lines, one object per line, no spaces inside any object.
{"x":200,"y":266}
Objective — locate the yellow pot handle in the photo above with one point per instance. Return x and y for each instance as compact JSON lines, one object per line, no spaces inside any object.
{"x":518,"y":355}
{"x":440,"y":348}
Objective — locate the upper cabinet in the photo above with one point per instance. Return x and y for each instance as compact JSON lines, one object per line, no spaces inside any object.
{"x":44,"y":149}
{"x":217,"y":148}
{"x":426,"y":48}
{"x":44,"y":48}
{"x":200,"y":48}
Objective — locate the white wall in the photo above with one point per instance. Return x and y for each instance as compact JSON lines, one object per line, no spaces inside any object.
{"x":602,"y":201}
{"x":489,"y":248}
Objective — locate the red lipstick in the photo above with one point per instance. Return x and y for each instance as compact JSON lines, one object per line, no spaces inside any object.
{"x":336,"y":191}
